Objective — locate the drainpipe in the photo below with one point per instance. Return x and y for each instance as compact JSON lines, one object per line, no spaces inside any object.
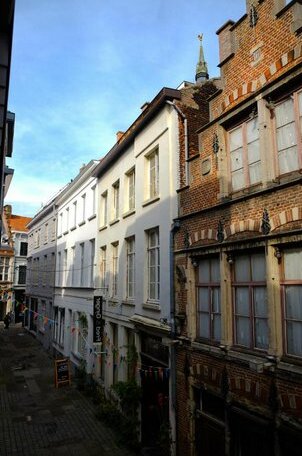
{"x":186,"y":139}
{"x":174,"y":228}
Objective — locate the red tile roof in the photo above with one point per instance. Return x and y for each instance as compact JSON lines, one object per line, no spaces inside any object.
{"x":18,"y":222}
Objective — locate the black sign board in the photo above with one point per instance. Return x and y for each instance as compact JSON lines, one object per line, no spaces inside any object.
{"x":62,"y":371}
{"x":97,"y":319}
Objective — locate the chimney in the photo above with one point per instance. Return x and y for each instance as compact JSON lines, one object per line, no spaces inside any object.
{"x":119,"y":135}
{"x":145,"y":105}
{"x":226,"y":41}
{"x":8,"y":210}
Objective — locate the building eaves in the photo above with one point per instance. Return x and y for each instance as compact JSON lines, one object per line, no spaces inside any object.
{"x":85,"y":172}
{"x":145,"y":117}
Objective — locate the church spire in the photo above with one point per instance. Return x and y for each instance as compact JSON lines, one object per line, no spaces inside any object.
{"x":201,"y":67}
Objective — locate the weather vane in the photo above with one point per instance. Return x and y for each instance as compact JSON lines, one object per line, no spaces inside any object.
{"x":200,"y":36}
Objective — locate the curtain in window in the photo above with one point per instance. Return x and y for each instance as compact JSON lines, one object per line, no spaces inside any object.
{"x":286,"y":136}
{"x":253,"y":151}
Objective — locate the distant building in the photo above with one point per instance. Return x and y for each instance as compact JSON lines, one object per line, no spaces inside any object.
{"x":40,"y":277}
{"x":76,"y":269}
{"x":238,"y":251}
{"x":19,"y":234}
{"x":6,"y":266}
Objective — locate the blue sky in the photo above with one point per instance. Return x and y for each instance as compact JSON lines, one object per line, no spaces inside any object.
{"x":81,"y":70}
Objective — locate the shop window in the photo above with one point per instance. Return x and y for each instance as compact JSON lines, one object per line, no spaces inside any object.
{"x":250,"y":301}
{"x":208,"y":300}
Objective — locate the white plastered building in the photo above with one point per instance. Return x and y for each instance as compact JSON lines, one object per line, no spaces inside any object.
{"x":75,"y":268}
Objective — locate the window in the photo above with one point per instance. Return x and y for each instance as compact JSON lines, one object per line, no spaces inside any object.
{"x":130,"y":190}
{"x":208,"y":300}
{"x":103,"y":269}
{"x":288,"y":123}
{"x":250,"y":301}
{"x":59,"y":270}
{"x":46,"y":234}
{"x":93,"y":196}
{"x":245,"y":154}
{"x":22,"y":275}
{"x":60,"y":228}
{"x":23,"y":248}
{"x":65,"y":269}
{"x":116,"y":200}
{"x":114,"y":268}
{"x":44,"y":271}
{"x":43,"y":312}
{"x":92,"y":253}
{"x":79,"y":332}
{"x":59,"y":325}
{"x":75,"y":204}
{"x":53,"y":230}
{"x":67,"y":220}
{"x":37,"y":271}
{"x":82,"y":253}
{"x":130,"y":267}
{"x":291,"y":286}
{"x":104,"y":200}
{"x":4,"y":268}
{"x":152,"y":177}
{"x":153,"y":253}
{"x":38,"y":237}
{"x":72,"y":271}
{"x":83,"y":207}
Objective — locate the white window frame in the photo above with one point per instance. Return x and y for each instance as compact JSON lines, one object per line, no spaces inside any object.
{"x":153,"y":253}
{"x":103,"y":269}
{"x":297,"y":121}
{"x":152,"y":174}
{"x":130,"y":268}
{"x":130,"y":193}
{"x":114,"y":247}
{"x":104,"y":209}
{"x":245,"y":165}
{"x":116,"y":200}
{"x":72,"y":267}
{"x":82,"y":262}
{"x":92,"y":259}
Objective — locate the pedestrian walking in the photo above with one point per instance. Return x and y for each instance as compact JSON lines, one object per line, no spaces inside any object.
{"x":7,"y":320}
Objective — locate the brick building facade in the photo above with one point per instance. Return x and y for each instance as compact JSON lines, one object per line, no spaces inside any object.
{"x":238,"y":253}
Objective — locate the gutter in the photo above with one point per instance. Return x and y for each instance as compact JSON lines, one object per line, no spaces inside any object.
{"x":174,"y":228}
{"x":145,"y":117}
{"x":186,"y":138}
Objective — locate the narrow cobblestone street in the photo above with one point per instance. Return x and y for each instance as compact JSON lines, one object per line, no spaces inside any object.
{"x":35,"y":417}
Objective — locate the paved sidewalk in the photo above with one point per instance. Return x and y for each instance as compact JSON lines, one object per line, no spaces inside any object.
{"x":36,"y":419}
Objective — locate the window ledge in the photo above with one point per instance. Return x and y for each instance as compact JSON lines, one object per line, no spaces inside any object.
{"x":65,"y":232}
{"x":128,"y":213}
{"x":93,"y":216}
{"x":208,"y":348}
{"x":113,"y":302}
{"x":113,"y":222}
{"x":150,"y":201}
{"x":152,"y":305}
{"x":289,"y":367}
{"x":128,"y":302}
{"x":73,"y":228}
{"x":104,"y":227}
{"x":82,"y":223}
